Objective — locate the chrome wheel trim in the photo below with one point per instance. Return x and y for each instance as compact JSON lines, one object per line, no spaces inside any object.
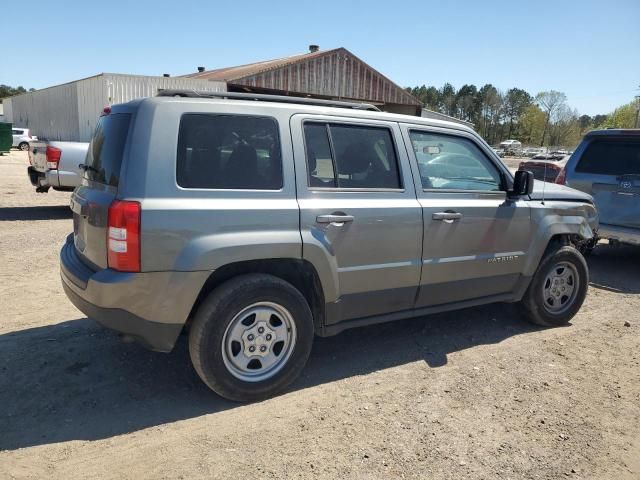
{"x":258,"y":341}
{"x":560,"y":288}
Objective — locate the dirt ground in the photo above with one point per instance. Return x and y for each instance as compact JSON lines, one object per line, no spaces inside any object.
{"x":477,"y":393}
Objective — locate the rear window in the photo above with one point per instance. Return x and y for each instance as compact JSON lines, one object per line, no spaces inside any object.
{"x":229,"y":152}
{"x":611,"y":157}
{"x":104,"y":156}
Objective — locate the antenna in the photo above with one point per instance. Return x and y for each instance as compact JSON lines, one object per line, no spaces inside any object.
{"x":544,"y":181}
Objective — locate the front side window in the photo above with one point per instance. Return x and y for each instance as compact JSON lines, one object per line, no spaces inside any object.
{"x":229,"y":152}
{"x":448,"y":162}
{"x":611,"y":157}
{"x":351,"y":156}
{"x":17,"y":132}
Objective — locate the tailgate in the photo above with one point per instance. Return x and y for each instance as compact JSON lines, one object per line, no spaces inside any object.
{"x":619,"y":204}
{"x":38,"y":155}
{"x":91,"y":200}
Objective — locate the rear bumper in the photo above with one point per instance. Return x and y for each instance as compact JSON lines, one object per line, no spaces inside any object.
{"x":621,"y":234}
{"x":152,"y":307}
{"x":58,"y":179}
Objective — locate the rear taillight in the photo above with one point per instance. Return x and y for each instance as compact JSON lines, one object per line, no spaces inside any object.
{"x":561,"y":179}
{"x":123,"y":236}
{"x":53,"y":157}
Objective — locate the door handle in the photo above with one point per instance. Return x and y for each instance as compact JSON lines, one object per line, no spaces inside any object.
{"x":447,"y":217}
{"x":334,"y":218}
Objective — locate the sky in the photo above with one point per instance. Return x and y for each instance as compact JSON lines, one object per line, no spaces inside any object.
{"x":590,"y":50}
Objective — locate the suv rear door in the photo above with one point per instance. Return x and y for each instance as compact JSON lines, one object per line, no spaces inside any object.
{"x":91,"y":200}
{"x":475,"y":239}
{"x":362,"y":226}
{"x":608,"y":167}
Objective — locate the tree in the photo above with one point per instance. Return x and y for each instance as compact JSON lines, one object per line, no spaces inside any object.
{"x":550,"y":102}
{"x":532,"y":125}
{"x":515,"y":102}
{"x":466,"y":101}
{"x":621,"y":117}
{"x":448,"y":99}
{"x":7,"y":91}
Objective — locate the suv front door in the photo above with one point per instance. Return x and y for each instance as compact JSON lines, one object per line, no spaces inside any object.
{"x":360,"y":221}
{"x":475,"y":238}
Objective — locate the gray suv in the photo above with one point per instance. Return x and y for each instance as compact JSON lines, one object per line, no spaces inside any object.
{"x":254,"y":222}
{"x":607,"y":166}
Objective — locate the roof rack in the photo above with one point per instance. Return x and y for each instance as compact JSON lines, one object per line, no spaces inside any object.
{"x":267,"y":98}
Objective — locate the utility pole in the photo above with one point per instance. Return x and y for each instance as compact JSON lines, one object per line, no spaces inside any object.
{"x":637,"y":110}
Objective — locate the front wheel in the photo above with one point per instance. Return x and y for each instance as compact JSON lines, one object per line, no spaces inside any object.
{"x":24,"y":146}
{"x":557,"y":289}
{"x":251,"y":337}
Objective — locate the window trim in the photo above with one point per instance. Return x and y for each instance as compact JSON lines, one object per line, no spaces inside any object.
{"x":499,"y":170}
{"x":218,"y":114}
{"x":327,"y":124}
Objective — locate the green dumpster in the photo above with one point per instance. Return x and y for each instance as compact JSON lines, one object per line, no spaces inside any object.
{"x":5,"y":137}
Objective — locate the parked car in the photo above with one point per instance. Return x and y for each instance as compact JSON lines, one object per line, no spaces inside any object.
{"x":532,"y":152}
{"x":607,"y":166}
{"x":56,"y":165}
{"x":257,"y":221}
{"x":545,"y":167}
{"x":22,"y":138}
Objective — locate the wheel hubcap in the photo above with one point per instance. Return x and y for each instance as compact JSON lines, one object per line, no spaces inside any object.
{"x":259,"y":341}
{"x":560,"y":288}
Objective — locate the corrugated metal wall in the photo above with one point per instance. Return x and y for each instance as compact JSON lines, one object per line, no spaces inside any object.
{"x":49,"y":113}
{"x":71,"y":111}
{"x":338,"y":74}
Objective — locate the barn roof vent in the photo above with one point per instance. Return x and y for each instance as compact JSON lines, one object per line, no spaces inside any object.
{"x":200,"y":69}
{"x":314,"y":48}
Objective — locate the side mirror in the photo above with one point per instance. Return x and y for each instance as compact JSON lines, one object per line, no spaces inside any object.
{"x":522,"y":183}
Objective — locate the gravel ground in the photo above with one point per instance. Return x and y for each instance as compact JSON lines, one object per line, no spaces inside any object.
{"x":477,"y":393}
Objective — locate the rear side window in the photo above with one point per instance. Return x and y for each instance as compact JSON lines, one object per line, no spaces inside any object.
{"x":611,"y":157}
{"x":229,"y":152}
{"x":351,"y":156}
{"x":104,"y":156}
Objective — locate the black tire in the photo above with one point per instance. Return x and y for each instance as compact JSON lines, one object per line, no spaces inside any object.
{"x":532,"y":303}
{"x":24,"y":146}
{"x":214,"y":317}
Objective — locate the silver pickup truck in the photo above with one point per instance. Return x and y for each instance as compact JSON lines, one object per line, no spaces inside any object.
{"x":56,"y":165}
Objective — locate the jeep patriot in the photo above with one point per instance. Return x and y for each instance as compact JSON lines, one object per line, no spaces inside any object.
{"x":255,"y":222}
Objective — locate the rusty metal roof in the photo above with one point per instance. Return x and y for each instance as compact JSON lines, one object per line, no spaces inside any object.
{"x":229,"y":74}
{"x":329,"y":73}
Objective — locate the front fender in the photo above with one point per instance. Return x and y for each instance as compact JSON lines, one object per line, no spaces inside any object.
{"x":558,"y":218}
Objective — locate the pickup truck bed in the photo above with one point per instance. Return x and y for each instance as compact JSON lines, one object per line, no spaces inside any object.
{"x":55,"y":164}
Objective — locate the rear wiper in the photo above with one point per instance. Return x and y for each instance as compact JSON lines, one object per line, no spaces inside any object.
{"x":85,"y":167}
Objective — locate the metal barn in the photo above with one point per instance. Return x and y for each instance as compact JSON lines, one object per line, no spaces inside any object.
{"x":331,"y":74}
{"x":71,"y":111}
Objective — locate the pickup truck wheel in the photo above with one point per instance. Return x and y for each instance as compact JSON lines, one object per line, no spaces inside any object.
{"x":251,"y":337}
{"x":23,"y":146}
{"x":557,"y":289}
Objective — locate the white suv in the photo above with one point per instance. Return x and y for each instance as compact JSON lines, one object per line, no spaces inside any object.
{"x":21,"y":138}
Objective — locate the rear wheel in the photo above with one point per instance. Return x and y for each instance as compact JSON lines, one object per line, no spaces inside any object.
{"x":557,"y":289}
{"x":251,"y":337}
{"x":23,"y":146}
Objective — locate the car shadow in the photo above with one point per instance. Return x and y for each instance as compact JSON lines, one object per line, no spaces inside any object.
{"x":44,"y":212}
{"x":615,"y":268}
{"x":77,"y":381}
